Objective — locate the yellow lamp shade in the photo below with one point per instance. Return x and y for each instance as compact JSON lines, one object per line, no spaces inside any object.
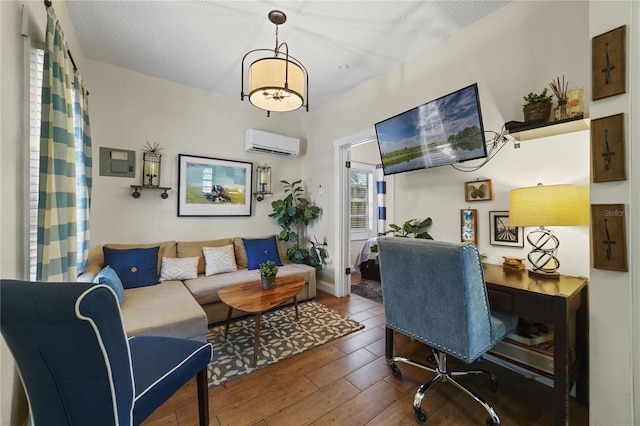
{"x":550,"y":205}
{"x":267,"y":85}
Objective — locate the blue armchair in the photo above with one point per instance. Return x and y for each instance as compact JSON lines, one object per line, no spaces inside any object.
{"x":77,"y":365}
{"x":435,"y":292}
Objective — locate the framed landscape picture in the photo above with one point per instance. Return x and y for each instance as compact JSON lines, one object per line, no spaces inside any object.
{"x":213,"y":187}
{"x":501,"y":233}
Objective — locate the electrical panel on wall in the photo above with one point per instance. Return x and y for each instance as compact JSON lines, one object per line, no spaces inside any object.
{"x":117,"y":162}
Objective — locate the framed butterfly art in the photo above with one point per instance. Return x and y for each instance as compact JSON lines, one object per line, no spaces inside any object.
{"x":478,"y":190}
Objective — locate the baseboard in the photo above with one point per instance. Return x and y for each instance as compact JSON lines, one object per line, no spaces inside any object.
{"x":326,"y":287}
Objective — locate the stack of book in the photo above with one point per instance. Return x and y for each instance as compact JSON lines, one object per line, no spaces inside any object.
{"x":513,"y":263}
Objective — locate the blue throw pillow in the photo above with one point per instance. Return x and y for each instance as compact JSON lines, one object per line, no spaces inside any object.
{"x":135,"y":267}
{"x":109,"y":277}
{"x":260,"y":250}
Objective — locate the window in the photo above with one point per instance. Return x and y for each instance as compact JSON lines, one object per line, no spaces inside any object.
{"x":361,"y":200}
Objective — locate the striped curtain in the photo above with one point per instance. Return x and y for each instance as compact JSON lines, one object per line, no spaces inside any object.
{"x":381,"y":191}
{"x":65,"y":164}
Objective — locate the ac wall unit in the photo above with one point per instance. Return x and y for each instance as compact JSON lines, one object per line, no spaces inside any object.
{"x":271,"y":144}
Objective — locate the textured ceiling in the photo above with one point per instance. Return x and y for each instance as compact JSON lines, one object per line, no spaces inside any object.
{"x":201,"y":43}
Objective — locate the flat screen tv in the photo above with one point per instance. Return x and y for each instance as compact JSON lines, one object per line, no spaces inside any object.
{"x":447,"y":130}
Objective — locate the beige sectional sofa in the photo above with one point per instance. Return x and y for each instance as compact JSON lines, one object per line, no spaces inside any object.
{"x":185,"y":308}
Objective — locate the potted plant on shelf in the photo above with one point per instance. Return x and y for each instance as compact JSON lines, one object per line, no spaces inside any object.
{"x":537,"y":107}
{"x":268,"y":271}
{"x":293,"y":214}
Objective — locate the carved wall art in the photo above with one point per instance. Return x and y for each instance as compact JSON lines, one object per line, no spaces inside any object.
{"x":609,"y":237}
{"x":608,"y":161}
{"x":608,"y":63}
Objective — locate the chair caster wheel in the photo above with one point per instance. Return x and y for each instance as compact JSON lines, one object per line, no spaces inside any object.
{"x":494,"y":385}
{"x":421,"y":415}
{"x":492,"y":423}
{"x":396,"y":371}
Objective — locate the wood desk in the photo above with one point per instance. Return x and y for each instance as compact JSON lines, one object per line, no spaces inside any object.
{"x":556,"y":302}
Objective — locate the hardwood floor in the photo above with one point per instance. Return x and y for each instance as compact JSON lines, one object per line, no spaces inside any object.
{"x":347,"y":382}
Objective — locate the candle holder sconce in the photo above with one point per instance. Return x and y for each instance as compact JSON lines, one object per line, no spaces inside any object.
{"x":151,"y":156}
{"x":263,"y":182}
{"x":151,"y":168}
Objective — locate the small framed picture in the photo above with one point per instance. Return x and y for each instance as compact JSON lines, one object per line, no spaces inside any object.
{"x":479,"y":190}
{"x":469,"y":226}
{"x":501,"y":233}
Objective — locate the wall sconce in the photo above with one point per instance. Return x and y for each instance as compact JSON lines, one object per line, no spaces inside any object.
{"x":263,"y":182}
{"x":151,"y":164}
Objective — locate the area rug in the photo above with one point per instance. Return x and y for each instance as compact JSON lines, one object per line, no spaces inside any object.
{"x":281,"y":336}
{"x":369,"y":289}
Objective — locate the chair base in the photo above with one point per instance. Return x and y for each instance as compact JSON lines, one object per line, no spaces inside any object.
{"x":443,"y":374}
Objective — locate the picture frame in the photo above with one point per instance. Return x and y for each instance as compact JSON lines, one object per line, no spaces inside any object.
{"x":213,"y":187}
{"x":478,"y":190}
{"x":501,"y":233}
{"x":469,"y":226}
{"x":608,"y":63}
{"x":608,"y":161}
{"x":608,"y":236}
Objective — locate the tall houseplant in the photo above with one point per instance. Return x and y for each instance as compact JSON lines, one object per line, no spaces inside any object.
{"x":294,"y":213}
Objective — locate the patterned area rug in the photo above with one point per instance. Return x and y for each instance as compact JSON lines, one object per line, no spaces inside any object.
{"x":281,"y":336}
{"x":369,"y":289}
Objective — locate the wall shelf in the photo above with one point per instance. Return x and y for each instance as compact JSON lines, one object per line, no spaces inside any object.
{"x":552,"y":129}
{"x":137,"y":188}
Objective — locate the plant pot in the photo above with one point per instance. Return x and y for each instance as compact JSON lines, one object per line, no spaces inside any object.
{"x":537,"y":112}
{"x":268,"y":282}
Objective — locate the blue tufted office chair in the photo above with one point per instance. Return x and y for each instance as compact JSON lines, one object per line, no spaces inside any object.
{"x":435,"y":292}
{"x":77,"y":365}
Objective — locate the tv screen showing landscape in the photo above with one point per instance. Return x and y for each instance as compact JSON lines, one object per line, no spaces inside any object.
{"x":447,"y":130}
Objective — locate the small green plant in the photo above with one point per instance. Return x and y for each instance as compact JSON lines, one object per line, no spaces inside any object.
{"x":268,"y":269}
{"x":411,"y":229}
{"x":318,"y":253}
{"x":533,"y":98}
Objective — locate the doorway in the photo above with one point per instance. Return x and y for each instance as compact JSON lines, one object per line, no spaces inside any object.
{"x":342,"y":154}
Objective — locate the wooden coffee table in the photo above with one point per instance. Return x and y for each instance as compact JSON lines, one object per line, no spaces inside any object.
{"x":250,"y":297}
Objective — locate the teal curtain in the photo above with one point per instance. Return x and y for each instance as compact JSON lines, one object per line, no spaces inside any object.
{"x":65,"y":164}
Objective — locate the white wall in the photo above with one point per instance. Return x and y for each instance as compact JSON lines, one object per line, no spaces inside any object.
{"x":489,"y":52}
{"x":439,"y":193}
{"x":611,"y":293}
{"x":128,"y":109}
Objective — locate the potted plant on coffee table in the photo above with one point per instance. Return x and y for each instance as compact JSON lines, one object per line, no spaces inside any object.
{"x":537,"y":107}
{"x":268,"y":271}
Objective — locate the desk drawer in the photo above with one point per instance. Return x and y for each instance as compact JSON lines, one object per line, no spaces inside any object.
{"x":500,"y":301}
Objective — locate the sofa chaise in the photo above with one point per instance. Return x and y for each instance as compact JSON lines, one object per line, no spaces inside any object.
{"x":184,"y":307}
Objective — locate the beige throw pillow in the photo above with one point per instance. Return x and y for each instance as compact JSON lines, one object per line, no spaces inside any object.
{"x":185,"y":268}
{"x":219,"y":260}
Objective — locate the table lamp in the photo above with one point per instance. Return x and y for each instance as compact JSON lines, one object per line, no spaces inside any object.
{"x":550,"y":205}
